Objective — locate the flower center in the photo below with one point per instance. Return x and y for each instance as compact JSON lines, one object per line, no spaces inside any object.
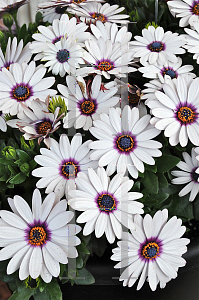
{"x":125,"y":143}
{"x":78,"y":1}
{"x":69,"y":170}
{"x":106,"y":203}
{"x":99,"y":17}
{"x":88,"y":107}
{"x":156,"y":46}
{"x":195,"y":9}
{"x":37,"y":236}
{"x":21,"y":92}
{"x":194,"y":175}
{"x":186,"y":115}
{"x":60,"y":10}
{"x":169,"y":71}
{"x":57,"y":39}
{"x":43,"y":127}
{"x":150,"y":250}
{"x":63,"y":55}
{"x":133,"y":99}
{"x":105,"y":66}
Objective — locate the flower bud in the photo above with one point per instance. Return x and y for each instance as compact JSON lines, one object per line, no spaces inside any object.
{"x":7,"y":20}
{"x":9,"y":152}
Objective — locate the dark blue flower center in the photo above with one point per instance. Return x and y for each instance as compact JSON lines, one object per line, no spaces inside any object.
{"x":125,"y":143}
{"x":170,"y":72}
{"x":63,"y":56}
{"x":106,"y":202}
{"x":195,"y":9}
{"x":60,"y":10}
{"x":69,"y":170}
{"x":21,"y":92}
{"x":150,"y":250}
{"x":194,"y":175}
{"x":156,"y":46}
{"x":88,"y":107}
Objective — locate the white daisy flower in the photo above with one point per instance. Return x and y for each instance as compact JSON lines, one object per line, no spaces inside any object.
{"x":22,"y":84}
{"x":197,"y":151}
{"x":107,"y":58}
{"x":96,"y":11}
{"x":85,"y":102}
{"x":189,"y":175}
{"x":124,"y":141}
{"x":61,"y":163}
{"x":153,"y":250}
{"x":64,"y":27}
{"x":51,"y":3}
{"x":187,"y":10}
{"x":53,"y":13}
{"x":110,"y":31}
{"x":177,"y":111}
{"x":155,"y":45}
{"x":14,"y":53}
{"x":38,"y":240}
{"x":192,"y":41}
{"x":107,"y":205}
{"x":9,"y":5}
{"x":63,"y":57}
{"x":37,"y":122}
{"x":3,"y":126}
{"x":170,"y":69}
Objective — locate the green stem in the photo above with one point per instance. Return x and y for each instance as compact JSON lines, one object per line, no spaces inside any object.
{"x":14,"y":14}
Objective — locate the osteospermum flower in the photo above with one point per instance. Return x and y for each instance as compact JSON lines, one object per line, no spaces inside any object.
{"x":96,"y":11}
{"x":3,"y":126}
{"x":14,"y":53}
{"x":125,"y":141}
{"x":189,"y":175}
{"x":38,"y":240}
{"x":153,"y":250}
{"x":192,"y":41}
{"x":61,"y":163}
{"x":63,"y":57}
{"x":9,"y":5}
{"x":112,"y":58}
{"x":187,"y":10}
{"x":86,"y":101}
{"x":51,"y":3}
{"x":170,"y":69}
{"x":37,"y":122}
{"x":64,"y":27}
{"x":107,"y":205}
{"x":177,"y":111}
{"x":155,"y":45}
{"x":21,"y":84}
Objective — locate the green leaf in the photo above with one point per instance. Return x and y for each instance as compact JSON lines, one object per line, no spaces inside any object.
{"x":184,"y":207}
{"x":163,"y":183}
{"x":32,"y":165}
{"x":150,"y":181}
{"x":19,"y":178}
{"x":79,"y":262}
{"x":38,"y":17}
{"x":22,"y":32}
{"x":6,"y":162}
{"x":62,"y":269}
{"x":23,"y":156}
{"x":151,"y":168}
{"x":24,"y":294}
{"x":156,"y":199}
{"x":82,"y":248}
{"x":196,"y":208}
{"x":166,"y":163}
{"x":41,"y":296}
{"x":54,"y":290}
{"x":136,"y":187}
{"x":84,"y":277}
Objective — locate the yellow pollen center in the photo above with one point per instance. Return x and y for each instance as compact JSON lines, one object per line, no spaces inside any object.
{"x":105,"y":66}
{"x":43,"y":127}
{"x":99,"y":17}
{"x":69,"y":170}
{"x":87,"y":107}
{"x":186,"y":115}
{"x":37,"y":236}
{"x":195,"y":9}
{"x":78,"y":1}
